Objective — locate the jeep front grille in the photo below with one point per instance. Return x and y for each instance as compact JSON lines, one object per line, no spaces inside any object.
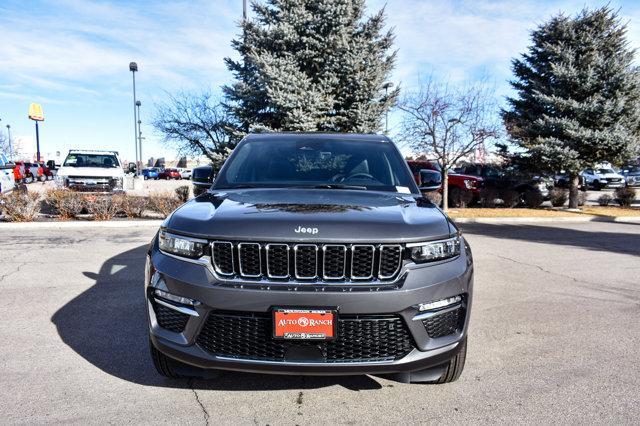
{"x":307,"y":262}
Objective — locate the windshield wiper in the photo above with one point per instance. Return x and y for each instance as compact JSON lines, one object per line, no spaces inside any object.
{"x":335,"y":186}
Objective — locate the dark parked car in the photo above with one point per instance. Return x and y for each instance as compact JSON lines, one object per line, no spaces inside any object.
{"x":202,"y":178}
{"x":508,"y":178}
{"x":311,"y":254}
{"x":458,"y":183}
{"x":561,"y":180}
{"x":46,"y":171}
{"x":631,"y":175}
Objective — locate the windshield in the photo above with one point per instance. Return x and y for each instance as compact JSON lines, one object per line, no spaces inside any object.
{"x":91,"y":160}
{"x":605,"y":171}
{"x":320,"y":162}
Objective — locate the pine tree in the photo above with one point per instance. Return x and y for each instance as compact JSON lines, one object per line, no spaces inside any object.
{"x":311,"y":65}
{"x":577,"y":95}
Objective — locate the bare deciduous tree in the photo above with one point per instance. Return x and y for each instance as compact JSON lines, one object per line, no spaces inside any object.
{"x":4,"y":144}
{"x":448,"y":123}
{"x":196,"y":124}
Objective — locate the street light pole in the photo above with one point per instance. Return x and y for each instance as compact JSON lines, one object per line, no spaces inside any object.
{"x":138,"y":103}
{"x":133,"y":67}
{"x":386,"y":86}
{"x":10,"y":148}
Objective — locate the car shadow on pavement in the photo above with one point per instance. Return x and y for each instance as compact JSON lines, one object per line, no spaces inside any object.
{"x":617,"y":242}
{"x":107,"y":326}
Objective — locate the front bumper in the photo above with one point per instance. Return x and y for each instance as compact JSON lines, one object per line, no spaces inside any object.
{"x":421,"y":283}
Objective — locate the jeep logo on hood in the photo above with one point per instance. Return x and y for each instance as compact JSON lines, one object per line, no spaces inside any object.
{"x":301,"y":230}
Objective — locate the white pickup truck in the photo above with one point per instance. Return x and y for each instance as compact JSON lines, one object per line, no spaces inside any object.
{"x":7,"y":180}
{"x":92,"y":171}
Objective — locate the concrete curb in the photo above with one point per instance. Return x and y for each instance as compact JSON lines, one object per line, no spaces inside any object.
{"x":82,"y":224}
{"x":508,"y":220}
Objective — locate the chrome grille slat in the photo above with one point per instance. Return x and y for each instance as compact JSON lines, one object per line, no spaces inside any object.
{"x":223,"y":257}
{"x":333,"y":259}
{"x":361,"y":263}
{"x":312,"y":262}
{"x":305,"y":261}
{"x":390,"y":260}
{"x":249,"y":260}
{"x":277,"y":261}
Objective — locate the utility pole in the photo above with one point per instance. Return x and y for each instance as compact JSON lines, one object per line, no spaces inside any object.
{"x":244,"y":10}
{"x":10,"y":148}
{"x":138,"y":103}
{"x":133,"y":67}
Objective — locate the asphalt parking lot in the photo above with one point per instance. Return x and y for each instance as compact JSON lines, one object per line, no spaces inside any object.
{"x":554,"y":339}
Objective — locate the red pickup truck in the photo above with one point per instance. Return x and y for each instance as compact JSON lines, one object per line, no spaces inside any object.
{"x":457,"y":182}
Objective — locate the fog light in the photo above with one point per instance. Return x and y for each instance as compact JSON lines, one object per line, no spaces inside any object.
{"x":174,"y":298}
{"x":439,"y":304}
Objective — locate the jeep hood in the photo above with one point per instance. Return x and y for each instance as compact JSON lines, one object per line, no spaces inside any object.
{"x":91,"y":171}
{"x":337,"y":215}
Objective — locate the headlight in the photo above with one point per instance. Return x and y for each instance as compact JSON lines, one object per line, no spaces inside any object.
{"x":181,"y":246}
{"x":435,"y":250}
{"x":470,"y":184}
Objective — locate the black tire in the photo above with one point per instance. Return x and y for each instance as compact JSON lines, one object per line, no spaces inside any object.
{"x":454,"y":196}
{"x":597,"y":185}
{"x":455,"y":366}
{"x":164,"y":365}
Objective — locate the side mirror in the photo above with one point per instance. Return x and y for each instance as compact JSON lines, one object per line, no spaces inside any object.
{"x":131,"y":168}
{"x":430,"y":180}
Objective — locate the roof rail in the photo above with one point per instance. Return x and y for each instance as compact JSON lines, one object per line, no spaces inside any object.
{"x":94,"y":150}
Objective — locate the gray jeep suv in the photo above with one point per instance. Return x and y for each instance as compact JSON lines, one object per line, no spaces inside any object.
{"x":311,"y":254}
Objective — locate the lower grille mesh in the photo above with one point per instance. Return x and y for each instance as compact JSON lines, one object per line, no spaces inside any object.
{"x":170,"y":319}
{"x":445,"y":323}
{"x":360,"y":338}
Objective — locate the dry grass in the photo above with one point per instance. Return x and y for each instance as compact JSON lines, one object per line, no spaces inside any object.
{"x":20,"y":206}
{"x":610,"y":211}
{"x":163,"y":203}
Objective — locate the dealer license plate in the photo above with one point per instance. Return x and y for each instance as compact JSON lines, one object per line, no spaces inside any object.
{"x":304,"y":324}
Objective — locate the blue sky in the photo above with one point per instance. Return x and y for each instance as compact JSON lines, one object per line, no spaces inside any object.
{"x":72,"y":56}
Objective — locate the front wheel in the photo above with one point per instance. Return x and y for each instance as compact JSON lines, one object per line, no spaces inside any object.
{"x":455,"y":366}
{"x":454,"y":196}
{"x":164,"y":365}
